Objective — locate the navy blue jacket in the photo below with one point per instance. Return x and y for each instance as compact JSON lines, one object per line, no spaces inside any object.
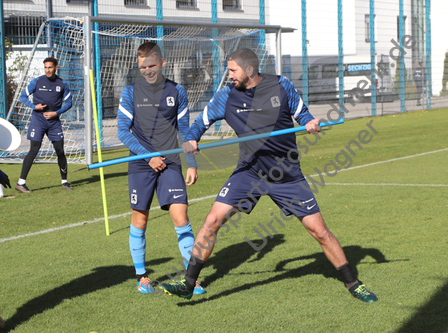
{"x":150,"y":118}
{"x":52,"y":92}
{"x":270,"y":106}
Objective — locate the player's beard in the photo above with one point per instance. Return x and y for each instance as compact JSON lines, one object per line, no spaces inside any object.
{"x":241,"y":86}
{"x":50,"y":75}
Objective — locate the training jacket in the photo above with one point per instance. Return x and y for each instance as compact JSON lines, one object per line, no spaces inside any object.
{"x":267,"y":107}
{"x":52,"y":92}
{"x":150,"y":117}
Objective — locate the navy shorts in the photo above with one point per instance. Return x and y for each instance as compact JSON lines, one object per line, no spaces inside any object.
{"x":39,"y":126}
{"x":168,"y":184}
{"x":244,"y":188}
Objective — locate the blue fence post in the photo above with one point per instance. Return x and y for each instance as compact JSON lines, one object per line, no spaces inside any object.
{"x":216,"y":78}
{"x":340,"y":58}
{"x":97,"y":71}
{"x":159,"y":13}
{"x":428,"y":54}
{"x":3,"y":76}
{"x":372,"y":56}
{"x":263,"y":33}
{"x":304,"y":56}
{"x":401,"y":58}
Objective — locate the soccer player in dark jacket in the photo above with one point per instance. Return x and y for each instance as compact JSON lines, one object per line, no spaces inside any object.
{"x":259,"y":103}
{"x":152,"y":113}
{"x":51,"y":98}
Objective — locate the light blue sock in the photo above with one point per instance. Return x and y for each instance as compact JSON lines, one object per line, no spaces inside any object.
{"x":137,"y":245}
{"x":185,"y":238}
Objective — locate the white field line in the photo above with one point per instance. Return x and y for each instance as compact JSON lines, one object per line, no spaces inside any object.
{"x":386,"y":161}
{"x":88,"y":222}
{"x":387,"y":184}
{"x":203,"y":198}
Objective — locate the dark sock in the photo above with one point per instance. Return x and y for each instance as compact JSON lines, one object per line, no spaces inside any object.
{"x":193,"y":270}
{"x":141,"y":276}
{"x":347,"y":274}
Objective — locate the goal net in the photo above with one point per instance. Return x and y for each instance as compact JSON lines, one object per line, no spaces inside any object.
{"x":195,"y":57}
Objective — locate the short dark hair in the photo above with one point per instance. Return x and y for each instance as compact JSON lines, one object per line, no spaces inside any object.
{"x":148,"y":48}
{"x":51,"y":59}
{"x":245,"y":58}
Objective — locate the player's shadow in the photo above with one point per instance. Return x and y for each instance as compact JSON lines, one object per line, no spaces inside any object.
{"x":431,"y":317}
{"x":96,"y":178}
{"x":320,"y":265}
{"x":83,"y":181}
{"x":233,"y":256}
{"x":100,"y":278}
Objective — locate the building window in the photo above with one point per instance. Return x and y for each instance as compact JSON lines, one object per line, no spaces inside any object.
{"x":367,"y":28}
{"x":78,"y":1}
{"x":185,"y":3}
{"x":398,"y":26}
{"x":231,"y":5}
{"x":22,"y":30}
{"x":135,"y":3}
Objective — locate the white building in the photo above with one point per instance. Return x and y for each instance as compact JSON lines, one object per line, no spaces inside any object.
{"x":24,"y":18}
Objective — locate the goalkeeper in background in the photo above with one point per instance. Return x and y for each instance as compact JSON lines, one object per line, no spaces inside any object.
{"x":151,"y":114}
{"x":51,"y":98}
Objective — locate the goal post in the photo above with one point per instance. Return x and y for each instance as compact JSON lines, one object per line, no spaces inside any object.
{"x":195,"y":56}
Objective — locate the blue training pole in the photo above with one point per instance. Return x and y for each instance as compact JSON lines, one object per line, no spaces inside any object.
{"x":207,"y":145}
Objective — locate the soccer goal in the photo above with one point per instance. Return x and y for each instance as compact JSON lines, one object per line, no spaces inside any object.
{"x":195,"y":53}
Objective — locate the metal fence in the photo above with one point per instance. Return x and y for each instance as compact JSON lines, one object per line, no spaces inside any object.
{"x":363,"y":54}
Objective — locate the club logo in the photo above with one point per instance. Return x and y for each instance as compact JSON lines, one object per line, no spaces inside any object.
{"x":133,"y":198}
{"x":224,"y":192}
{"x":58,"y":89}
{"x":170,"y":101}
{"x":275,"y":101}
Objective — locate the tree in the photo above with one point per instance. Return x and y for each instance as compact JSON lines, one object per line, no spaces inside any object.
{"x":444,"y":91}
{"x":14,"y":71}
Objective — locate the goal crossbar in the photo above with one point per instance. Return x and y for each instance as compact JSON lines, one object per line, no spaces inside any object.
{"x":195,"y":56}
{"x":88,"y":20}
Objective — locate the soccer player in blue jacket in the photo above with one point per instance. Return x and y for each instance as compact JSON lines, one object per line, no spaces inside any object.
{"x":258,"y":103}
{"x":152,"y":113}
{"x":51,"y":98}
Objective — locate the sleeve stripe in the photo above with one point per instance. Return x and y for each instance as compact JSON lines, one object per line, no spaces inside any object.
{"x":125,"y":112}
{"x":299,"y":108}
{"x":27,"y":91}
{"x":180,"y":115}
{"x":66,"y":97}
{"x":205,"y":117}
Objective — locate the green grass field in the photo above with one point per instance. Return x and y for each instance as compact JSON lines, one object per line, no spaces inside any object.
{"x":388,"y":209}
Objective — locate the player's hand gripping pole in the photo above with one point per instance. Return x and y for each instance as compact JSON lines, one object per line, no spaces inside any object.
{"x":206,"y":145}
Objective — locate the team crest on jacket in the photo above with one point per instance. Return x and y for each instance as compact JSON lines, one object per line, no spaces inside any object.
{"x":275,"y":101}
{"x":223,"y":192}
{"x":58,"y":88}
{"x":170,"y":101}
